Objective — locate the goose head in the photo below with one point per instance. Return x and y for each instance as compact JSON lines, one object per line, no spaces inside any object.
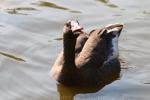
{"x":111,"y":33}
{"x":72,"y":27}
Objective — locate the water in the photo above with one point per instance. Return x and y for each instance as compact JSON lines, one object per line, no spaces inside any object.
{"x":30,"y":40}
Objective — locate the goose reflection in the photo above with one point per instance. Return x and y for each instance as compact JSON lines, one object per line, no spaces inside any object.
{"x":68,"y":93}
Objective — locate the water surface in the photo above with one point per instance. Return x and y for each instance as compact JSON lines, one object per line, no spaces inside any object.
{"x":31,"y":38}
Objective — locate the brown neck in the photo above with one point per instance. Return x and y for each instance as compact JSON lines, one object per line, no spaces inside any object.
{"x":69,"y":50}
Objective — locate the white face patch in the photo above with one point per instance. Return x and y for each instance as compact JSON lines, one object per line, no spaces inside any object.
{"x":114,"y":48}
{"x":114,"y":27}
{"x":111,"y":30}
{"x":75,"y":26}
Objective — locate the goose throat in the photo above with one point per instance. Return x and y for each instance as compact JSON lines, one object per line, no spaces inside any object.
{"x":114,"y":51}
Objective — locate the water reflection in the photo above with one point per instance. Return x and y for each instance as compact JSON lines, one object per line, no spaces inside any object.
{"x":68,"y":93}
{"x":112,"y":5}
{"x":58,"y":39}
{"x":147,"y":83}
{"x":19,"y":10}
{"x":103,"y":1}
{"x":11,"y":56}
{"x":53,"y":5}
{"x":1,"y":26}
{"x":107,"y":3}
{"x":145,"y":12}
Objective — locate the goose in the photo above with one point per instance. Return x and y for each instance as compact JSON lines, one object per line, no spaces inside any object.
{"x":87,"y":59}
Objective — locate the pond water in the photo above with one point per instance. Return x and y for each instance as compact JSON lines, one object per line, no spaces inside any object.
{"x":30,"y":40}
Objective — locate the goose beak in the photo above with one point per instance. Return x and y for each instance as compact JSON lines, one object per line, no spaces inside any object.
{"x":117,"y":27}
{"x":75,"y":27}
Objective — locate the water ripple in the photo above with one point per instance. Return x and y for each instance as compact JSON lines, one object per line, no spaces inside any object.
{"x":103,"y":1}
{"x":107,"y":3}
{"x":11,"y":56}
{"x":59,"y":39}
{"x":53,"y":5}
{"x":19,"y":10}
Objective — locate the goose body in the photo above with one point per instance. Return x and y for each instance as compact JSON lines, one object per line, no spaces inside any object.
{"x":87,"y":59}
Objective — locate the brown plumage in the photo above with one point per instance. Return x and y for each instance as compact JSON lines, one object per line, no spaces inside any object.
{"x":87,"y":59}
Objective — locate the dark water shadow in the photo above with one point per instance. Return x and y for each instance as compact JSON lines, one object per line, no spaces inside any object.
{"x":68,"y":93}
{"x":2,"y":26}
{"x":146,"y":12}
{"x":103,"y":1}
{"x":112,"y":6}
{"x":19,"y":10}
{"x":11,"y":56}
{"x":53,"y":5}
{"x":50,"y":4}
{"x":107,"y":3}
{"x":59,"y":39}
{"x":147,"y":83}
